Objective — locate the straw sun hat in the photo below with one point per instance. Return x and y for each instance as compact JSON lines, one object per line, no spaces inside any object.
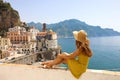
{"x":80,"y":36}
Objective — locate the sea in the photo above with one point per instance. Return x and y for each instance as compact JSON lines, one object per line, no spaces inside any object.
{"x":106,"y":51}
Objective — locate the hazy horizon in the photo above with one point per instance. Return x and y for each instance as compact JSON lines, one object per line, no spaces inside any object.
{"x":104,"y":13}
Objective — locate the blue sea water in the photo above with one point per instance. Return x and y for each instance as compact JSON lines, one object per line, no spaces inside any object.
{"x":106,"y":51}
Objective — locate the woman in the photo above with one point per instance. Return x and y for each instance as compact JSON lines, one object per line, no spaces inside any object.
{"x":78,"y":60}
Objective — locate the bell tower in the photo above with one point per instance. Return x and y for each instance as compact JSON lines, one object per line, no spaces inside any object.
{"x":44,"y":27}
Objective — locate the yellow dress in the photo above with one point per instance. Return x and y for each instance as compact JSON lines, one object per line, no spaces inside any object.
{"x":78,"y":66}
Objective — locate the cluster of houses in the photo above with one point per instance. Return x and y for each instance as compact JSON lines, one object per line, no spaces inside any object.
{"x":22,"y":41}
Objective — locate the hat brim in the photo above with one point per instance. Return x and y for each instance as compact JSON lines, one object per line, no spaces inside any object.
{"x":75,"y":33}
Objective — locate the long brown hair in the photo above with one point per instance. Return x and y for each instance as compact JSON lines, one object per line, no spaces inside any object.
{"x":84,"y":48}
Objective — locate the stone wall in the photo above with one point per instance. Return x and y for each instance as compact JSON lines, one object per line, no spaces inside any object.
{"x":34,"y":57}
{"x":29,"y":72}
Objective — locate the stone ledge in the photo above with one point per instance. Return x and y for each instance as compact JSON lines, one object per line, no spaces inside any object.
{"x":30,"y":72}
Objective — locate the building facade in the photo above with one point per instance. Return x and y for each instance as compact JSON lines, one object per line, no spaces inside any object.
{"x":18,"y":35}
{"x":28,"y":48}
{"x":4,"y":54}
{"x":17,"y":28}
{"x":46,"y":40}
{"x":33,"y":33}
{"x":4,"y":43}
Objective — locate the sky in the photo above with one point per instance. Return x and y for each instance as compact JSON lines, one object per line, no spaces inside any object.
{"x":104,"y":13}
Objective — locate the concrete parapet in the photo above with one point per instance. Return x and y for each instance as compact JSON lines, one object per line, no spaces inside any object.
{"x":29,"y":72}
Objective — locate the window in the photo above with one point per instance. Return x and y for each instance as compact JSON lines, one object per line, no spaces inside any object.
{"x":5,"y":40}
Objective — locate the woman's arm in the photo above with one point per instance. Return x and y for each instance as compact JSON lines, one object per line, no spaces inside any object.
{"x":75,"y":53}
{"x":72,"y":55}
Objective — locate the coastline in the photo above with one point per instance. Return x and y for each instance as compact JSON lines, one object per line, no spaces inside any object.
{"x":88,"y":37}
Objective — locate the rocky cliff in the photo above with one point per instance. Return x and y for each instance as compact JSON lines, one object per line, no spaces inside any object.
{"x":8,"y":17}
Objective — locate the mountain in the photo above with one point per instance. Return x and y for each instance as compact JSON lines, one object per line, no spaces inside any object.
{"x":36,"y":25}
{"x":66,"y":27}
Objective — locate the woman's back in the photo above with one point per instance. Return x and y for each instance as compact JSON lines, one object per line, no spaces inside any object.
{"x":83,"y":59}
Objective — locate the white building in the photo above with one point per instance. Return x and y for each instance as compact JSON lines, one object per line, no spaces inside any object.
{"x":28,"y":48}
{"x":17,"y":28}
{"x":51,"y":41}
{"x":4,"y":43}
{"x":47,"y":40}
{"x":51,"y":44}
{"x":33,"y":33}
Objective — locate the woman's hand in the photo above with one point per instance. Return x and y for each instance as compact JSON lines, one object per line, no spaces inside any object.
{"x":87,"y":42}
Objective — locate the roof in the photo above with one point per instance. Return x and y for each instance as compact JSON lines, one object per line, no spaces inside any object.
{"x":42,"y":33}
{"x":52,"y":32}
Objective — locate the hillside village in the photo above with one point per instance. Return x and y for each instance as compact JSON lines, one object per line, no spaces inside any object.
{"x":19,"y":42}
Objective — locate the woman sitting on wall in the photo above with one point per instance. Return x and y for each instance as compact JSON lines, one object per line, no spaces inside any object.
{"x":78,"y":60}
